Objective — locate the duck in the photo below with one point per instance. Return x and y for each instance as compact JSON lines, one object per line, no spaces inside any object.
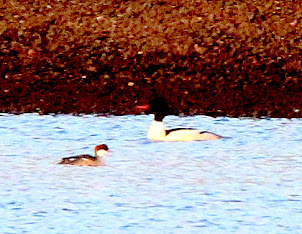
{"x":88,"y":160}
{"x":157,"y":131}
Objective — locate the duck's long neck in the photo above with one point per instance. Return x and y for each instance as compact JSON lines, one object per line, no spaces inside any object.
{"x":156,"y":130}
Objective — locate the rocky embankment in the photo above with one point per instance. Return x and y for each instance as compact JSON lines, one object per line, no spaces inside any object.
{"x":219,"y":58}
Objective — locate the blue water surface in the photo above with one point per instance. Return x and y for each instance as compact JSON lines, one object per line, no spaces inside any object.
{"x":250,"y":182}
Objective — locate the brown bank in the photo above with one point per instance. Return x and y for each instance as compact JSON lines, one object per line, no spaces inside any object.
{"x":228,"y":58}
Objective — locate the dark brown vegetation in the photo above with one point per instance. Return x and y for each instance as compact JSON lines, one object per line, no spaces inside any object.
{"x":229,"y":58}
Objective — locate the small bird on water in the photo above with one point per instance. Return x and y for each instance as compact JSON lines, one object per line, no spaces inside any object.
{"x":88,"y":160}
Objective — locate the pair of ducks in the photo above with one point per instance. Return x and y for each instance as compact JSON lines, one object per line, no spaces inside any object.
{"x":156,"y":132}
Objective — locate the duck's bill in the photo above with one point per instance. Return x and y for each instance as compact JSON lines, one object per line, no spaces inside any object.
{"x":142,"y":107}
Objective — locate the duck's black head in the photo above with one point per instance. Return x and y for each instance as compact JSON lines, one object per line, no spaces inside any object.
{"x":159,"y":107}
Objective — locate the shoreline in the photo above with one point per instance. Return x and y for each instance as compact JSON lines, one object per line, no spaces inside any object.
{"x":217,"y":59}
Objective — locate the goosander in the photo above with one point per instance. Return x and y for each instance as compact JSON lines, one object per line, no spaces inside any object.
{"x":88,"y":160}
{"x":157,"y":130}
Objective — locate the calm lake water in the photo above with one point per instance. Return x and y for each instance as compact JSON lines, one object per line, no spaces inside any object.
{"x":248,"y":183}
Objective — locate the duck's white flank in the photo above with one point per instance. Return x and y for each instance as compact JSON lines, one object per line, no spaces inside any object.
{"x":157,"y":132}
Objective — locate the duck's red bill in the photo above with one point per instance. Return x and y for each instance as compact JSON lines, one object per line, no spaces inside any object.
{"x":143,"y":107}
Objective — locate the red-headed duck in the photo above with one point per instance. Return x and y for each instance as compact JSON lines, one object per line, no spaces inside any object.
{"x":88,"y":160}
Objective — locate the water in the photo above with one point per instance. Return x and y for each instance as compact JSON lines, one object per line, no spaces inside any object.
{"x":250,"y":182}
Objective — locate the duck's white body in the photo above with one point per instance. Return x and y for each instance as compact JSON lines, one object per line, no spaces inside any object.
{"x":158,"y":132}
